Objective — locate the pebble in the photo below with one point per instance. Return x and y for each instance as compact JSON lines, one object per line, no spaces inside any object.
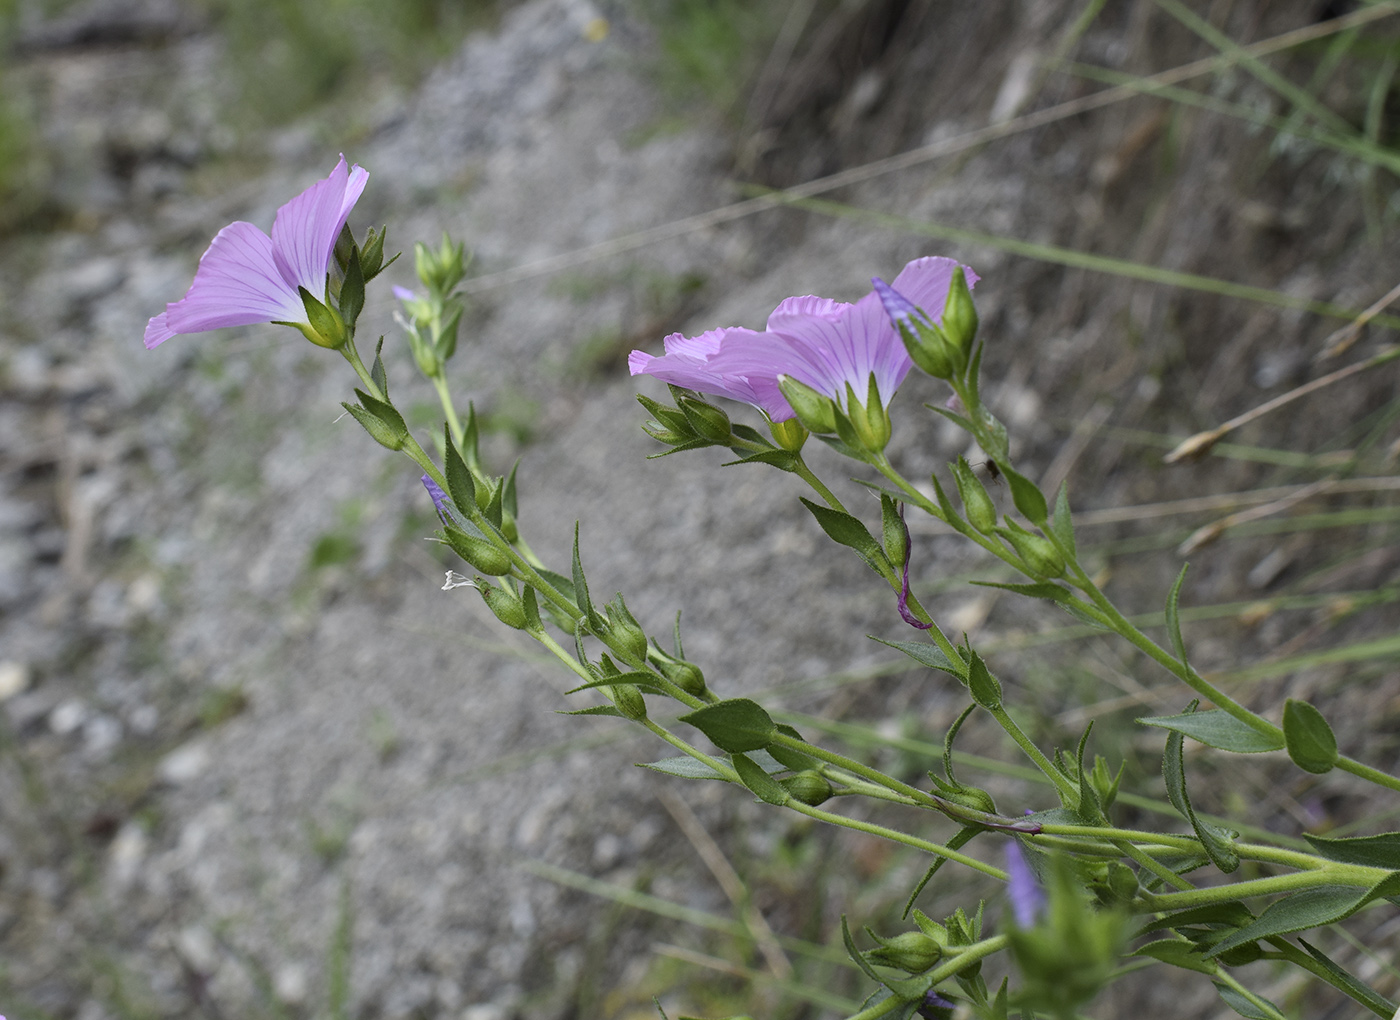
{"x":14,"y":679}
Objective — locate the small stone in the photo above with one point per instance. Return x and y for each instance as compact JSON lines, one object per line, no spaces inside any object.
{"x":198,"y":949}
{"x":101,"y":734}
{"x":126,"y":855}
{"x":184,"y":764}
{"x":68,"y":716}
{"x":290,"y":983}
{"x":14,"y":679}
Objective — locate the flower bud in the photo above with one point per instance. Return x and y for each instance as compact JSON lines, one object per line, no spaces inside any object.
{"x":870,"y":421}
{"x":959,"y":314}
{"x":629,"y":702}
{"x":973,"y":797}
{"x":1041,"y":558}
{"x":708,"y":421}
{"x":809,"y":787}
{"x":816,"y":411}
{"x":978,"y":507}
{"x":790,"y":434}
{"x":504,"y":603}
{"x":624,"y":635}
{"x":685,"y":675}
{"x":480,"y":553}
{"x":913,"y":951}
{"x":928,"y":345}
{"x":326,"y":328}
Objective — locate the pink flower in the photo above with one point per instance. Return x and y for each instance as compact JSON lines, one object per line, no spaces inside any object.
{"x":247,"y":277}
{"x":823,"y":343}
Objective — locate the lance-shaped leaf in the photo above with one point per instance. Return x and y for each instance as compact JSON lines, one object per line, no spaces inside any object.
{"x":983,"y":687}
{"x":846,"y":530}
{"x":460,"y":485}
{"x":926,"y":655}
{"x":736,"y":725}
{"x":1381,"y":851}
{"x":758,"y":781}
{"x":1219,"y":729}
{"x":1174,"y":615}
{"x":1362,"y":993}
{"x":595,"y":621}
{"x":1215,"y":840}
{"x":1063,"y":523}
{"x":1243,"y":1006}
{"x":1311,"y":908}
{"x":1178,"y":953}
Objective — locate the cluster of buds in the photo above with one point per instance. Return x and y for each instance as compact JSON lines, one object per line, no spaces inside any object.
{"x":864,"y":426}
{"x":433,"y":319}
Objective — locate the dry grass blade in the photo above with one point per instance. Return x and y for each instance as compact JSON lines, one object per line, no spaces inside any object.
{"x":915,"y":157}
{"x":1342,"y":339}
{"x":729,"y":881}
{"x":1200,"y":444}
{"x":1210,"y":532}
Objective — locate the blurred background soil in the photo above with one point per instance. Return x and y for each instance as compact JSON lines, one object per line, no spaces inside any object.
{"x":253,"y":762}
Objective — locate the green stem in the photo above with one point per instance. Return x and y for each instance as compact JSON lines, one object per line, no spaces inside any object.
{"x":1063,"y":786}
{"x":1376,"y":776}
{"x":875,"y":776}
{"x":353,"y":356}
{"x":968,"y":956}
{"x":445,"y":396}
{"x":1153,"y":865}
{"x":882,"y":1008}
{"x":805,"y":473}
{"x":870,"y":829}
{"x":1258,"y":887}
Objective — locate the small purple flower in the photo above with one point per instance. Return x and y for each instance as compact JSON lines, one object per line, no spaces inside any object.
{"x":935,"y":1007}
{"x":822,"y":343}
{"x":439,"y":498}
{"x":247,"y":277}
{"x":1027,"y":898}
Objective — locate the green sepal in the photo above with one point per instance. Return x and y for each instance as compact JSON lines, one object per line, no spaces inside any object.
{"x":387,"y":414}
{"x":372,"y":255}
{"x":1029,"y":500}
{"x":479,"y":552}
{"x":780,"y":459}
{"x":758,"y":782}
{"x":977,"y":503}
{"x":376,"y":371}
{"x":707,"y":421}
{"x":983,"y":687}
{"x":324,"y":321}
{"x":668,"y":417}
{"x":845,"y":530}
{"x":352,"y":291}
{"x":1308,"y":738}
{"x":735,"y":725}
{"x":378,"y":431}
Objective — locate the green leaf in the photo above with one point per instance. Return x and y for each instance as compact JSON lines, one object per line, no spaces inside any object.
{"x":385,"y":412}
{"x":637,"y":678}
{"x":759,"y":782}
{"x":949,"y":514}
{"x":509,"y":498}
{"x":736,"y":725}
{"x":1216,"y":841}
{"x":1027,"y":497}
{"x":1310,"y":741}
{"x":1042,"y":590}
{"x":780,"y":459}
{"x":581,"y":590}
{"x":376,"y":372}
{"x":459,"y":480}
{"x":985,"y":689}
{"x":1178,"y":953}
{"x":1232,"y":914}
{"x":854,"y":955}
{"x":1243,"y":1006}
{"x":378,"y":431}
{"x":1063,"y":523}
{"x":1218,"y":729}
{"x":1380,"y":851}
{"x":599,"y":710}
{"x":846,"y":530}
{"x":1174,"y":617}
{"x":1311,"y":908}
{"x":926,"y":655}
{"x":493,"y":509}
{"x":1362,"y":993}
{"x":683,"y":766}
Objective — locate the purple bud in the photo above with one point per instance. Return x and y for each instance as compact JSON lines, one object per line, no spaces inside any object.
{"x":439,"y":498}
{"x":404,"y":294}
{"x":1027,"y":899}
{"x":935,"y":1007}
{"x":899,"y":308}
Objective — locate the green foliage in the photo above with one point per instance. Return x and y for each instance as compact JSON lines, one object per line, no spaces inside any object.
{"x":711,"y":49}
{"x":287,"y":55}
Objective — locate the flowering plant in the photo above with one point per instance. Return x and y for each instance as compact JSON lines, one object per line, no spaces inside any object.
{"x":1089,"y":899}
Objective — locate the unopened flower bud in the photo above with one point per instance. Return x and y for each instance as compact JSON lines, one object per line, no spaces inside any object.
{"x":978,"y":507}
{"x":1041,"y":558}
{"x":809,"y":787}
{"x":928,"y":346}
{"x":624,"y":635}
{"x":790,"y":434}
{"x":504,"y":603}
{"x":816,"y":411}
{"x":480,"y":553}
{"x":959,"y":314}
{"x":708,"y":421}
{"x":913,"y":951}
{"x":973,"y":797}
{"x":324,"y":326}
{"x":685,"y":675}
{"x":871,"y":421}
{"x":629,"y":702}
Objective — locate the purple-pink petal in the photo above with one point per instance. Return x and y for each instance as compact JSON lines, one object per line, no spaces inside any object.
{"x":304,"y":232}
{"x":1024,"y":892}
{"x":439,"y":498}
{"x":904,"y":612}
